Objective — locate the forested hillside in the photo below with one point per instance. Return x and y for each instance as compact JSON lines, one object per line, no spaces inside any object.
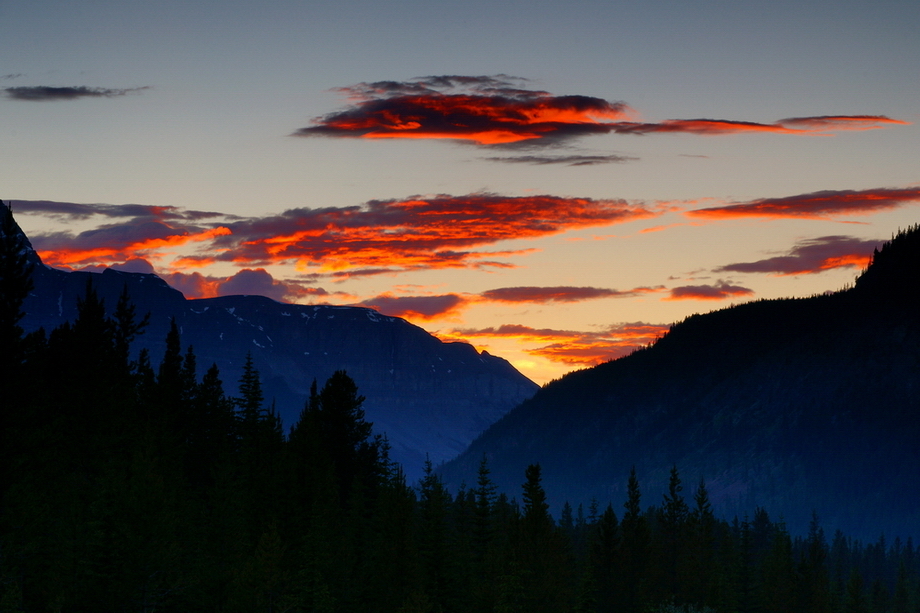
{"x":794,"y":405}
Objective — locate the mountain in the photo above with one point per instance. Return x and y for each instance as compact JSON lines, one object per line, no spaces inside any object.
{"x":427,"y":396}
{"x":796,"y":405}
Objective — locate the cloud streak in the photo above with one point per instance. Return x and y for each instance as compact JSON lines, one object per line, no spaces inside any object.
{"x":498,"y":110}
{"x":719,"y":291}
{"x":560,"y":294}
{"x":47,"y":93}
{"x":821,"y":205}
{"x":417,"y":307}
{"x":563,"y":160}
{"x":812,"y":256}
{"x":575,"y":348}
{"x":441,"y":231}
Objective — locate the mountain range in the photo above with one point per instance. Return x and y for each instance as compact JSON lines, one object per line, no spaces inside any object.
{"x":798,"y":406}
{"x":429,"y":398}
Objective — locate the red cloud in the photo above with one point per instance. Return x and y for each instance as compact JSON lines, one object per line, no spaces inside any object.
{"x":495,"y":111}
{"x":194,"y":285}
{"x":378,"y":237}
{"x":573,"y":347}
{"x":421,"y":307}
{"x":816,"y":205}
{"x":813,"y":256}
{"x":117,"y":243}
{"x":720,"y":291}
{"x":558,"y":294}
{"x":484,"y":110}
{"x":420,"y":232}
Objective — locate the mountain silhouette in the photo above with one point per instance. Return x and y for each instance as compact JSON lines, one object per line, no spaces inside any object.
{"x":798,"y":406}
{"x":430,"y":398}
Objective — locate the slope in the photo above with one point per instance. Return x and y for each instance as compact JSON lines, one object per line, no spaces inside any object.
{"x":795,"y":405}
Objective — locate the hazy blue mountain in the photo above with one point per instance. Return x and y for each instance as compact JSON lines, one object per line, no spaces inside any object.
{"x":427,"y":396}
{"x":795,"y":405}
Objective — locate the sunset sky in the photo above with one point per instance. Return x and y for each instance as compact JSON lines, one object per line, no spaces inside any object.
{"x":553,"y":182}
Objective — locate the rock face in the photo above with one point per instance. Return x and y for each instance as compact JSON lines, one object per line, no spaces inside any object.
{"x":795,"y":405}
{"x":426,"y":396}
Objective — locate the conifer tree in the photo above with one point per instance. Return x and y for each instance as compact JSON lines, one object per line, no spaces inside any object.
{"x":635,"y":546}
{"x":673,"y":517}
{"x":536,"y":509}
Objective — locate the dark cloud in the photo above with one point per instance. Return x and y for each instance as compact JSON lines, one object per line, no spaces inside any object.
{"x":423,"y":307}
{"x":12,"y":75}
{"x":719,"y":291}
{"x":81,"y":211}
{"x":500,"y":111}
{"x":558,"y":294}
{"x":135,"y":265}
{"x":812,"y":256}
{"x":839,"y":122}
{"x":249,"y":282}
{"x":816,"y":205}
{"x":42,"y":93}
{"x":567,"y":160}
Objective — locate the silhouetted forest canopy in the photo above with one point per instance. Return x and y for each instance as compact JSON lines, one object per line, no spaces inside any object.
{"x":132,"y":486}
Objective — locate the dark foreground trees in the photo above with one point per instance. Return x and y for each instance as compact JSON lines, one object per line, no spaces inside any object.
{"x":137,"y":487}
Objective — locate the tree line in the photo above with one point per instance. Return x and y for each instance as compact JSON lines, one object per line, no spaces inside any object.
{"x":132,"y":486}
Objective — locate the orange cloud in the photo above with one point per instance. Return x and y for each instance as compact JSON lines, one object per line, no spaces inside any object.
{"x":572,"y":347}
{"x":498,"y":111}
{"x":416,"y":233}
{"x":379,"y":237}
{"x":126,"y":243}
{"x":817,"y":205}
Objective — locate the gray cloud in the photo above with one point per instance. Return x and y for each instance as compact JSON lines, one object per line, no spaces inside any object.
{"x":44,"y":93}
{"x":567,"y":160}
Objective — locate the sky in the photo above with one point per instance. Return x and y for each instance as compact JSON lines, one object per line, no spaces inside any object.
{"x":555,"y":183}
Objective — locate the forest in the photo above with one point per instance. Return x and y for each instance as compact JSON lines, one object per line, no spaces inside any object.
{"x":132,"y":486}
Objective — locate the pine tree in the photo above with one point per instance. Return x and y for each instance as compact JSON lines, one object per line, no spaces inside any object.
{"x":635,"y":547}
{"x":673,"y":517}
{"x":339,"y":417}
{"x":127,"y":327}
{"x":536,"y":509}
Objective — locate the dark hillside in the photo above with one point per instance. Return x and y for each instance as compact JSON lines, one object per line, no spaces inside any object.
{"x":794,"y":405}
